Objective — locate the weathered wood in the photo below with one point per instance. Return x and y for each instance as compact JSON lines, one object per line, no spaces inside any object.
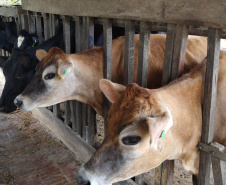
{"x":219,"y":167}
{"x":107,"y":29}
{"x":209,"y":103}
{"x":71,"y":139}
{"x":129,"y":52}
{"x":143,"y":55}
{"x":11,"y":11}
{"x":213,"y":151}
{"x":107,"y":48}
{"x":46,"y":25}
{"x":39,"y":27}
{"x":179,"y":50}
{"x":78,"y":48}
{"x":24,"y":21}
{"x":168,"y":54}
{"x":164,"y":173}
{"x":180,"y":11}
{"x":66,"y":30}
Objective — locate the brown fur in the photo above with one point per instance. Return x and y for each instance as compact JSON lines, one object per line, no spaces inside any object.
{"x":144,"y":109}
{"x":88,"y":65}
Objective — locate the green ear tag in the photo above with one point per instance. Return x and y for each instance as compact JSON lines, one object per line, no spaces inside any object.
{"x":58,"y":78}
{"x":162,"y":134}
{"x":65,"y":71}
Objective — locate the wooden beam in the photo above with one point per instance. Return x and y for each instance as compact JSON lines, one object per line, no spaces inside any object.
{"x":129,"y":52}
{"x":202,"y":12}
{"x":210,"y":94}
{"x":143,"y":55}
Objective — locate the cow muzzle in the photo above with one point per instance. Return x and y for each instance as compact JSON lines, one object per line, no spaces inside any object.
{"x":18,"y":102}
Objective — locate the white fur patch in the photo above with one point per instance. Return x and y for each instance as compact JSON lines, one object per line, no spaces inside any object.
{"x":20,"y":41}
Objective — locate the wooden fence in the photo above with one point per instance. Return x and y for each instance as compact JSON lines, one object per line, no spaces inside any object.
{"x":178,"y":18}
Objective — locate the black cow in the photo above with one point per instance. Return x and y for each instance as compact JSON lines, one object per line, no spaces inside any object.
{"x":8,"y":35}
{"x":19,"y":70}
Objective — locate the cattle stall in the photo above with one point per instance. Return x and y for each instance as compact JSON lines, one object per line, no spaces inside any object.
{"x":177,"y":19}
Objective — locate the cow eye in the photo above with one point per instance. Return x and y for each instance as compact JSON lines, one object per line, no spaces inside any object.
{"x":131,"y":140}
{"x":49,"y":76}
{"x":20,"y":75}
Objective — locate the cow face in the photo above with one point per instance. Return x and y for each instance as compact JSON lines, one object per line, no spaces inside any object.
{"x":18,"y":70}
{"x":51,"y":84}
{"x":134,"y":140}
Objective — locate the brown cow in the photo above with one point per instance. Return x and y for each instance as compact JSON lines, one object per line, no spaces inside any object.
{"x":138,"y":119}
{"x":85,"y":69}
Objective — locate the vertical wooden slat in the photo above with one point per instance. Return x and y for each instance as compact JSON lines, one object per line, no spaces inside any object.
{"x":39,"y":27}
{"x":52,"y":25}
{"x":143,"y":55}
{"x":219,"y":167}
{"x":24,"y":21}
{"x":78,"y":108}
{"x":210,"y":93}
{"x":46,"y":25}
{"x":129,"y":51}
{"x":168,"y":54}
{"x":179,"y":49}
{"x":107,"y":29}
{"x":84,"y":46}
{"x":90,"y":111}
{"x":66,"y":30}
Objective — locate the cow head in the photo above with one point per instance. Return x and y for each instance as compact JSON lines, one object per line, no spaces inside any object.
{"x":18,"y":70}
{"x":52,"y":81}
{"x":134,"y":141}
{"x":26,"y":40}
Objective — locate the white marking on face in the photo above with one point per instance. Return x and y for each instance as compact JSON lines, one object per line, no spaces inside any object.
{"x":20,"y":41}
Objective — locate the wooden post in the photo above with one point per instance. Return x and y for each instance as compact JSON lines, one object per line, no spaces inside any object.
{"x":39,"y":27}
{"x":66,"y":31}
{"x":129,"y":52}
{"x":46,"y":25}
{"x":219,"y":167}
{"x":143,"y":55}
{"x":210,"y":93}
{"x":107,"y":27}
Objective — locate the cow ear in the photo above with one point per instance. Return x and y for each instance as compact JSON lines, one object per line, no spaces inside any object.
{"x":40,"y":54}
{"x":111,"y":90}
{"x":64,"y":67}
{"x":159,"y":123}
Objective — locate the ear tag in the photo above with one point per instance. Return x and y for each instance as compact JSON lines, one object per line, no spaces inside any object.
{"x":162,"y":134}
{"x":65,"y":71}
{"x":58,"y":78}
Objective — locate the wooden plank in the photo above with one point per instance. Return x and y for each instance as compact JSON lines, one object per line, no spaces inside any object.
{"x":46,"y":25}
{"x":180,"y":11}
{"x":11,"y":11}
{"x":91,"y":113}
{"x":78,"y":105}
{"x":219,"y":167}
{"x":143,"y":55}
{"x":129,"y":51}
{"x":168,"y":54}
{"x":179,"y":50}
{"x":66,"y":30}
{"x":39,"y":27}
{"x":107,"y":29}
{"x":210,"y":93}
{"x":213,"y":151}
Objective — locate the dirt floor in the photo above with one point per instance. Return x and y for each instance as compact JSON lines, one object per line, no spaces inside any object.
{"x":30,"y":155}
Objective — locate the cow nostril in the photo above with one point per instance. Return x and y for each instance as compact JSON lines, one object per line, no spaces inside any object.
{"x":18,"y":103}
{"x":3,"y":109}
{"x":82,"y":181}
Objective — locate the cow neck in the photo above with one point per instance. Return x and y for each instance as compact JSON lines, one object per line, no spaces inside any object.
{"x":184,"y":99}
{"x":88,"y":72}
